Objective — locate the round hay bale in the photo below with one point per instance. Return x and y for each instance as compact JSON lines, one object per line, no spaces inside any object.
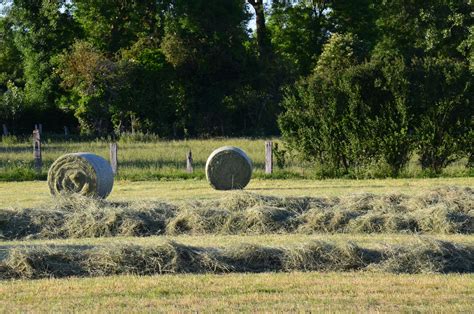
{"x":228,"y":168}
{"x":81,"y":173}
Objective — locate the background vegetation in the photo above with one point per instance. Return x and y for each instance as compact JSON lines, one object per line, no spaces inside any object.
{"x":146,"y":157}
{"x":349,"y":84}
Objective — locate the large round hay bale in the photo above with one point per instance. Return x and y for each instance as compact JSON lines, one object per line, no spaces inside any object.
{"x":228,"y":168}
{"x":81,"y":173}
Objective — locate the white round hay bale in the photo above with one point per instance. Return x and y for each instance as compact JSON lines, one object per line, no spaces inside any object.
{"x":82,"y":173}
{"x":228,"y":168}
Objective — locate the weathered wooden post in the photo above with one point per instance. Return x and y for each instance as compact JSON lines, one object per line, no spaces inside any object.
{"x":37,"y":150}
{"x":189,"y":162}
{"x":114,"y":158}
{"x":268,"y":157}
{"x":5,"y":130}
{"x":66,"y":132}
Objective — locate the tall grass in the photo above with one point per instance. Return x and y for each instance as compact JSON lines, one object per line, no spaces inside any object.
{"x":154,"y":159}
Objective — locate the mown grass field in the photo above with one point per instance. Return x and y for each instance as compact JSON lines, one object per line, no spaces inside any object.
{"x":157,"y":160}
{"x":353,"y":291}
{"x":274,"y":292}
{"x":24,"y":194}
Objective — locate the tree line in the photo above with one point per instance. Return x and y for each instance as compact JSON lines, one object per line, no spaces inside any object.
{"x":346,"y":83}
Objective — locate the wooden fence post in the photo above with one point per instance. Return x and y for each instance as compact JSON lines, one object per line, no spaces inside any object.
{"x":37,"y":150}
{"x":114,"y":158}
{"x":5,"y":130}
{"x":189,"y":162}
{"x":268,"y":157}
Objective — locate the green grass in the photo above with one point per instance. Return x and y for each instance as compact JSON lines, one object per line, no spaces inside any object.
{"x":25,"y":194}
{"x":275,"y":292}
{"x":157,"y":160}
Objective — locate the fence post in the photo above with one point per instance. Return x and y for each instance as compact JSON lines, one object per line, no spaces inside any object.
{"x":113,"y":157}
{"x":189,"y":162}
{"x":37,"y":150}
{"x":268,"y":157}
{"x":5,"y":130}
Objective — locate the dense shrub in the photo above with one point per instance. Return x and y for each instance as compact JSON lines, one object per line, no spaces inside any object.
{"x":349,"y":113}
{"x":352,"y":112}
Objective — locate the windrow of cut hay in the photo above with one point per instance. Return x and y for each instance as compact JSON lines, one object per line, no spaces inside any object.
{"x":427,"y":256}
{"x":446,"y":210}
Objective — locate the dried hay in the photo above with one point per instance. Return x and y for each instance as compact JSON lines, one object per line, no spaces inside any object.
{"x":228,"y":168}
{"x":81,"y":173}
{"x":449,"y":211}
{"x":426,"y":256}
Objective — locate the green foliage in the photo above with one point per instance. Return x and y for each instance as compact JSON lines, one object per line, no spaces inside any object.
{"x":11,"y":103}
{"x":298,"y":32}
{"x":93,"y":80}
{"x":411,"y":93}
{"x":357,"y":17}
{"x":44,"y":29}
{"x":10,"y":59}
{"x":280,"y":156}
{"x":112,"y":25}
{"x":204,"y":41}
{"x":340,"y":123}
{"x":367,"y":83}
{"x":445,"y":110}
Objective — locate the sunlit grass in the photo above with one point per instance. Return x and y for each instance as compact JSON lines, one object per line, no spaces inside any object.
{"x":167,"y":159}
{"x":23,"y":194}
{"x":275,"y":292}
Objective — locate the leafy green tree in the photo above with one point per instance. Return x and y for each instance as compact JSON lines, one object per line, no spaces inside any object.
{"x":357,"y":17}
{"x":435,"y":40}
{"x":442,"y":89}
{"x":204,"y":41}
{"x":94,"y":82}
{"x":425,"y":28}
{"x":131,"y":93}
{"x":11,"y":93}
{"x":10,"y":58}
{"x":43,"y":29}
{"x":11,"y":103}
{"x":151,"y":101}
{"x":111,"y":25}
{"x":315,"y":118}
{"x":298,"y":32}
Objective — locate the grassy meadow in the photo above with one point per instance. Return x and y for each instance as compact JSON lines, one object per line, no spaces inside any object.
{"x":158,"y":159}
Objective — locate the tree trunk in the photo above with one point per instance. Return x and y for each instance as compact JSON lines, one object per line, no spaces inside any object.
{"x":263,"y":40}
